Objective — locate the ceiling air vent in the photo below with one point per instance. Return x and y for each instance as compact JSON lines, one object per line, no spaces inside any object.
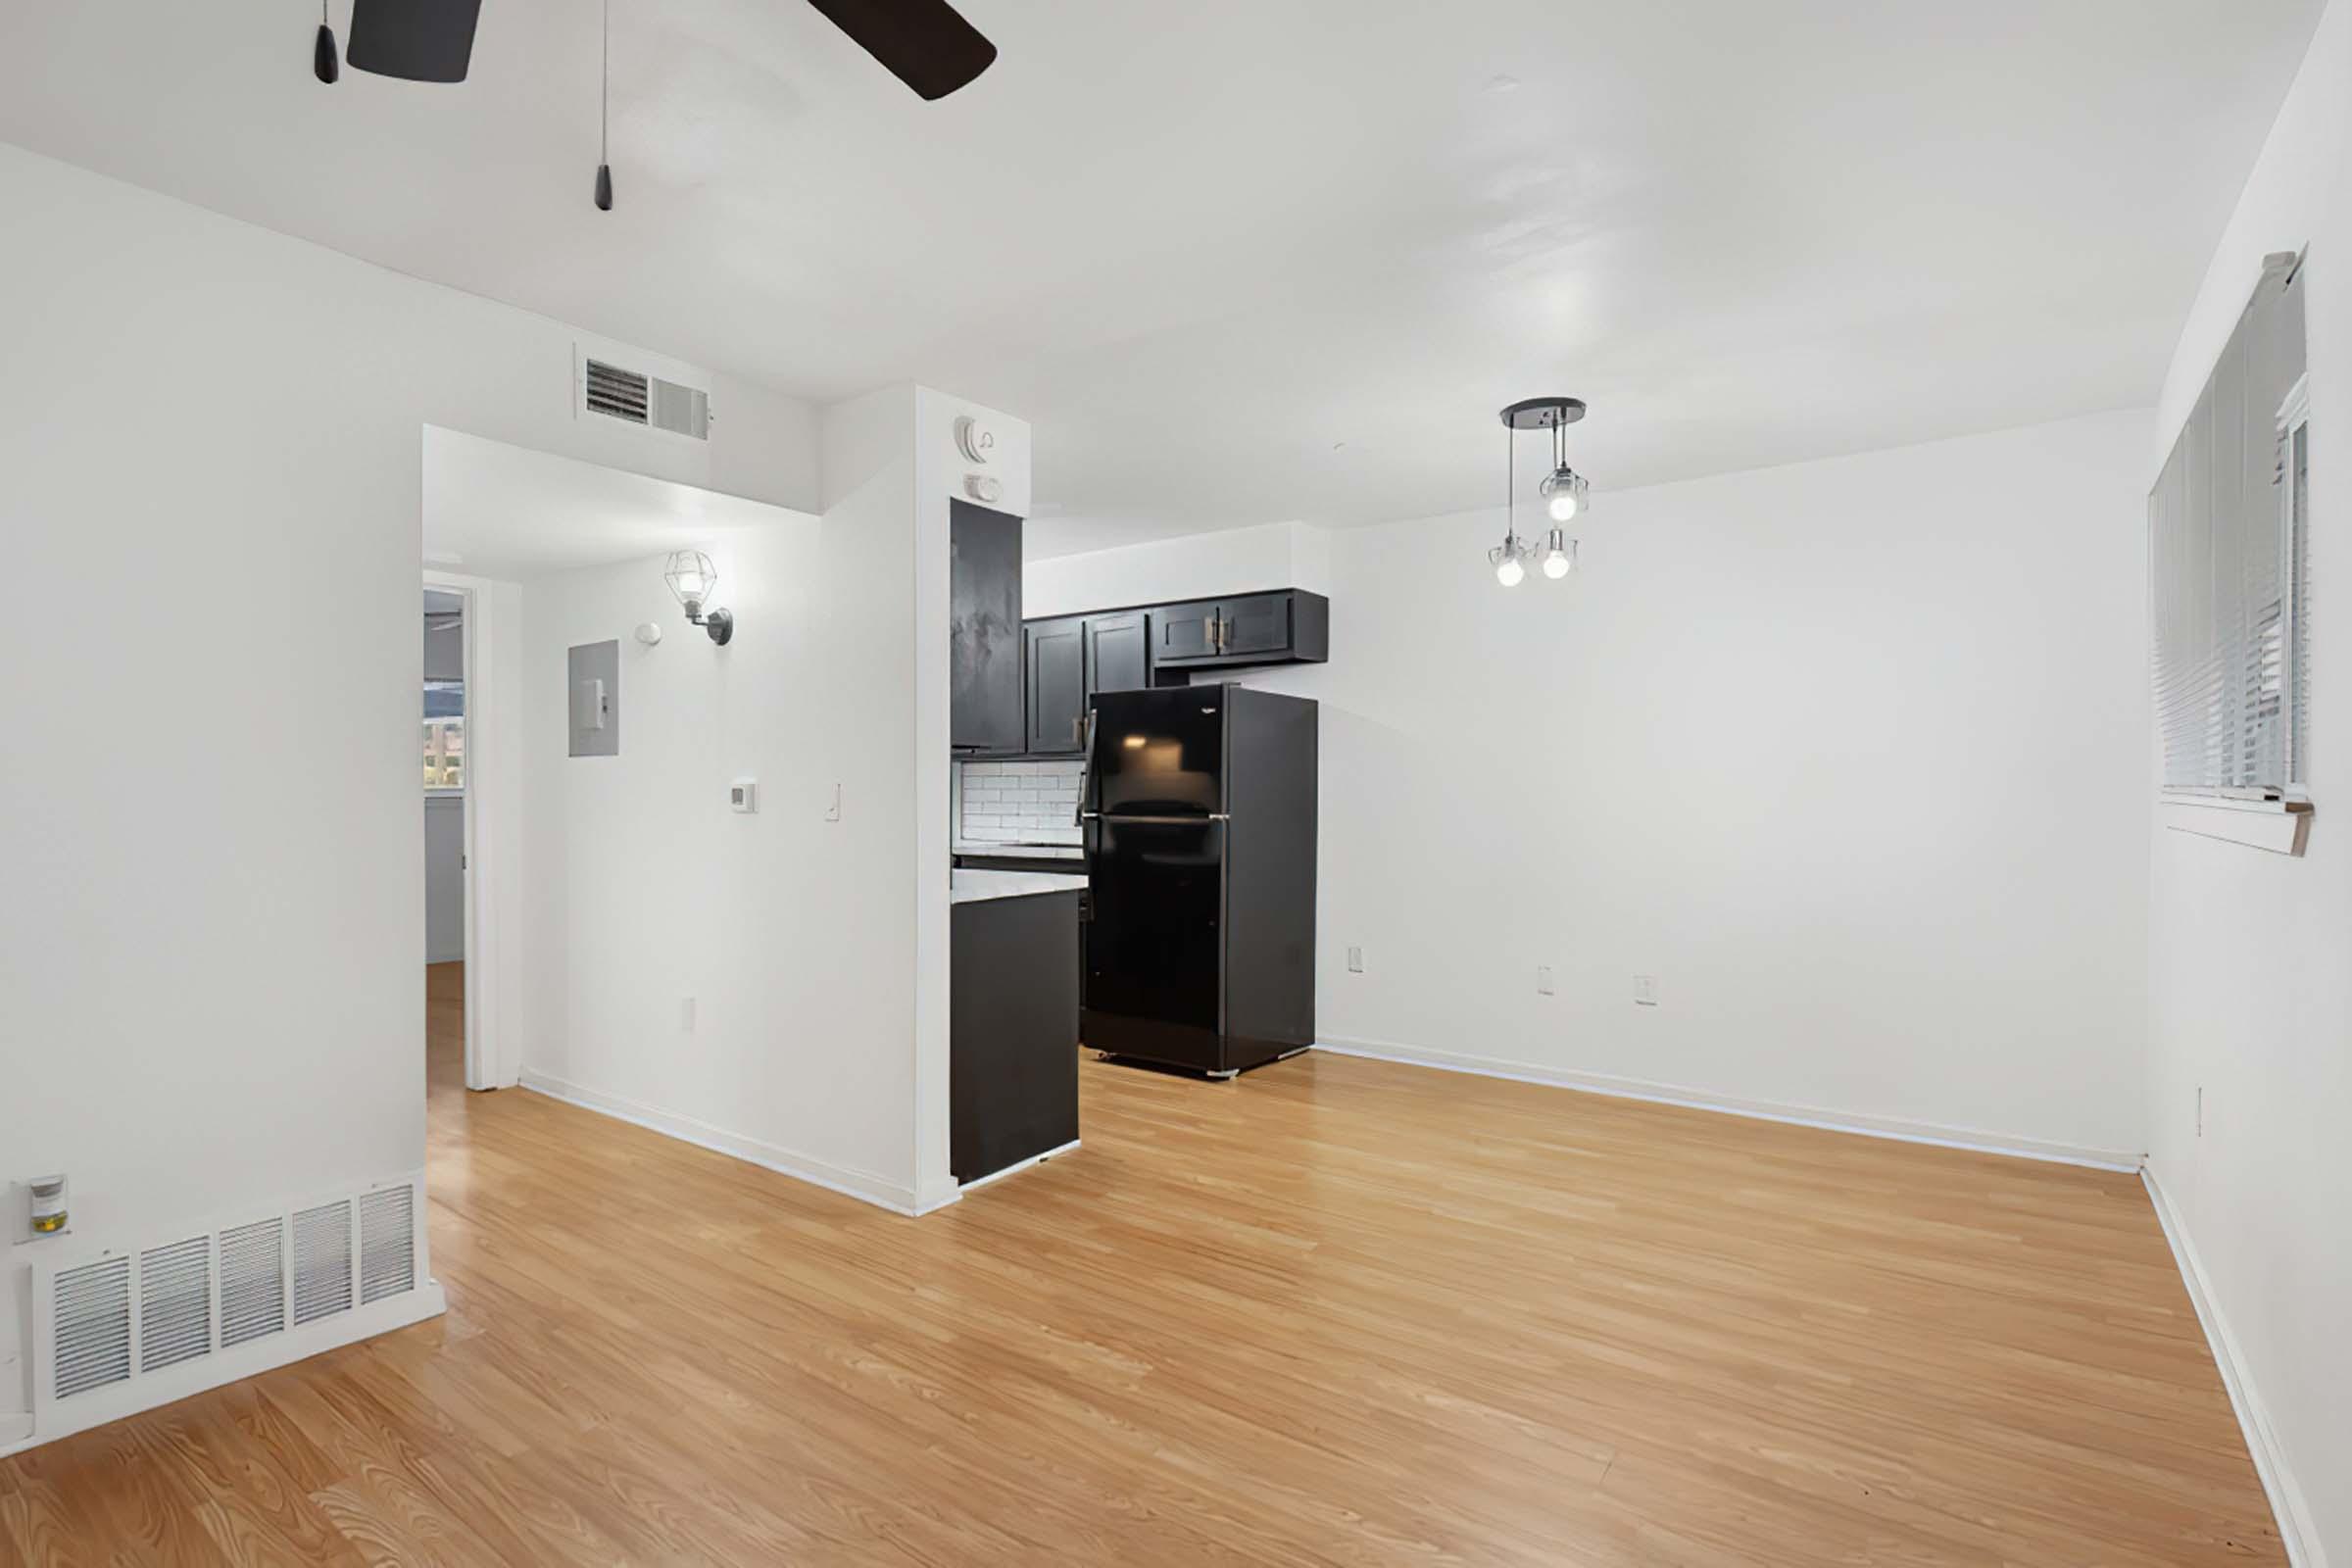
{"x":321,"y":1261}
{"x":387,"y":1244}
{"x":648,"y":399}
{"x":92,"y":1318}
{"x":175,"y":1302}
{"x":253,"y":1281}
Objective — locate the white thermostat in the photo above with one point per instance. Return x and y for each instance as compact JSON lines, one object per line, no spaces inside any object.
{"x":744,"y":795}
{"x":983,"y":487}
{"x":976,"y":441}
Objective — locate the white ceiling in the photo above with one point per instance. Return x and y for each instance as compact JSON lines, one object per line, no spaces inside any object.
{"x":1198,"y":245}
{"x":496,"y":511}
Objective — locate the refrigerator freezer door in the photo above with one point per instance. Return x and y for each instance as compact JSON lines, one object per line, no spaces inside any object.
{"x":1159,"y":753}
{"x":1154,"y":976}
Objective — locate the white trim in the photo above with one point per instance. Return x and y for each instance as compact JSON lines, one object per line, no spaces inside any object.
{"x":1017,"y":1166}
{"x":2283,"y":828}
{"x":484,"y":1067}
{"x":1898,"y":1128}
{"x":866,"y":1186}
{"x":2297,"y":1530}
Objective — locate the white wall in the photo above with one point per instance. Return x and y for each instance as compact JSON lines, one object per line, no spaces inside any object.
{"x":2252,"y":987}
{"x":1278,"y":555}
{"x":1850,"y":755}
{"x":791,"y":933}
{"x":209,"y":975}
{"x":444,"y":878}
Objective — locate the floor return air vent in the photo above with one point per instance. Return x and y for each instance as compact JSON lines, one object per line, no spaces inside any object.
{"x":110,"y":1320}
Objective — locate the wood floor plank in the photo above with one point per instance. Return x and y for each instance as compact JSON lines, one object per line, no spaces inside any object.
{"x":1340,"y":1314}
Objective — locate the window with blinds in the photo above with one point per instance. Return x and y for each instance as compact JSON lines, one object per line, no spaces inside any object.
{"x":2226,"y":553}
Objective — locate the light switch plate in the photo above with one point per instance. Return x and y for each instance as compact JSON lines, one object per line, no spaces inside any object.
{"x":744,"y":795}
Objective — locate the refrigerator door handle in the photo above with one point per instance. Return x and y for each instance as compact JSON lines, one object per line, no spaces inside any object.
{"x":1168,"y":822}
{"x":1086,"y":778}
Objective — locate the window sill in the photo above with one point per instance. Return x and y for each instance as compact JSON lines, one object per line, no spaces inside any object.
{"x":2278,"y":826}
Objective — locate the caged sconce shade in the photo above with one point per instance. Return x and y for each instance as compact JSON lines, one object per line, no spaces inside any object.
{"x":692,"y":579}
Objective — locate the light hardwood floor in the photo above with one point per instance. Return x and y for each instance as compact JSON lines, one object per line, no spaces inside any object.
{"x":1341,"y":1312}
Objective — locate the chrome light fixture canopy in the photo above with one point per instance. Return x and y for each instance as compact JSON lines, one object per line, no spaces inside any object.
{"x":692,"y":578}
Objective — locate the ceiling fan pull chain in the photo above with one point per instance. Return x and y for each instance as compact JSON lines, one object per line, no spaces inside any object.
{"x":604,"y":121}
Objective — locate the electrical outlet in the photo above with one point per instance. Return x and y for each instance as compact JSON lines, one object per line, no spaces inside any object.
{"x":1355,"y":961}
{"x":1645,"y":991}
{"x":833,"y":811}
{"x":1542,"y":979}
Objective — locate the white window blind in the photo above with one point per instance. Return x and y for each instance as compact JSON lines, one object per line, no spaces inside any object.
{"x":2227,"y":552}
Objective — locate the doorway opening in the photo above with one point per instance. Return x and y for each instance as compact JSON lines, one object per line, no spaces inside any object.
{"x":448,"y":917}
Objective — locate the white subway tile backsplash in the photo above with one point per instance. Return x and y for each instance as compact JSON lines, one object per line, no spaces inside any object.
{"x":1019,"y":803}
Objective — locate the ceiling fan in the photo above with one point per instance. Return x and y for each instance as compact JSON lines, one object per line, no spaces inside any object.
{"x":924,"y":43}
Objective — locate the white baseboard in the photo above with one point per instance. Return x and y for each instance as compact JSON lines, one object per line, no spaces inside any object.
{"x":2297,"y":1532}
{"x":897,"y":1197}
{"x":65,"y":1417}
{"x":1593,"y":1083}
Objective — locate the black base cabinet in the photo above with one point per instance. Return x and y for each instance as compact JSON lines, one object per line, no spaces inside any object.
{"x":1013,"y":1031}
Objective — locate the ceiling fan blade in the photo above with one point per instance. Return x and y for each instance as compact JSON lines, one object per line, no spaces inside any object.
{"x":924,"y":43}
{"x":416,"y":40}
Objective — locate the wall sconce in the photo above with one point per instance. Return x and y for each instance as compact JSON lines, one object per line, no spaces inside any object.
{"x":692,"y":577}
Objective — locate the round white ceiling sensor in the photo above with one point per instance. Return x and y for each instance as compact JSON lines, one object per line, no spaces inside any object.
{"x":975,"y":440}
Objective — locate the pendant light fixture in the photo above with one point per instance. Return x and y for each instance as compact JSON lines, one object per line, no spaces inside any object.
{"x":1565,"y":492}
{"x":603,"y":120}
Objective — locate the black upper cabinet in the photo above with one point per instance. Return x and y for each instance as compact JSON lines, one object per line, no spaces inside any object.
{"x":1184,"y":632}
{"x":1065,"y":661}
{"x":1118,"y":653}
{"x":1289,"y":627}
{"x":1056,"y":680}
{"x":985,"y":642}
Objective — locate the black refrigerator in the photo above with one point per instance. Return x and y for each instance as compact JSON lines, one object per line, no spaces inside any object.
{"x":1199,"y":806}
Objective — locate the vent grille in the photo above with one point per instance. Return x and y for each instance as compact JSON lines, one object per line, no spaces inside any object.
{"x":622,"y":394}
{"x":321,"y":1261}
{"x":387,"y":1244}
{"x":92,"y":1318}
{"x":176,"y":1304}
{"x":683,"y":409}
{"x":636,"y":398}
{"x":253,"y":1281}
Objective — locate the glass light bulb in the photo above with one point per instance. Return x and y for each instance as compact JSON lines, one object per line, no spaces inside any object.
{"x":1563,"y":506}
{"x":1560,"y":554}
{"x":1555,"y":566}
{"x":1509,"y":571}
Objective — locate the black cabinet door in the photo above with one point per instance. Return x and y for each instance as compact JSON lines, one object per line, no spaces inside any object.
{"x":1184,"y":632}
{"x":1257,"y":624}
{"x":1118,"y":654}
{"x":984,"y":653}
{"x":1056,"y":683}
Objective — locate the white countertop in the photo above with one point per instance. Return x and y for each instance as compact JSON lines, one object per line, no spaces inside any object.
{"x":970,"y":886}
{"x":1019,"y":852}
